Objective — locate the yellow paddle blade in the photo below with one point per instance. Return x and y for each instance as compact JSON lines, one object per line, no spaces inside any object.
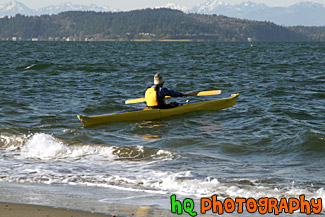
{"x":131,"y":101}
{"x":204,"y":93}
{"x":200,"y":93}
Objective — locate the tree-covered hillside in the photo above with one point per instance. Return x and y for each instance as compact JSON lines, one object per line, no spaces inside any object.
{"x":313,"y":32}
{"x":148,"y":24}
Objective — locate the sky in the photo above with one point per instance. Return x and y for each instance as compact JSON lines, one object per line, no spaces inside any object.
{"x":139,"y":4}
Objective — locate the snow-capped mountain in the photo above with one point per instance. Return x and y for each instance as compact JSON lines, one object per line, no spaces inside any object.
{"x":55,"y":9}
{"x":210,"y":7}
{"x":216,"y":6}
{"x":303,"y":13}
{"x":14,"y":7}
{"x":174,"y":6}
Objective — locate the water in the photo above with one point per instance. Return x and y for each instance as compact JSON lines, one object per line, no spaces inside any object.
{"x":270,"y":144}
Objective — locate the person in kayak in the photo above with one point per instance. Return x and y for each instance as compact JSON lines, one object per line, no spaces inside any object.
{"x":155,"y":95}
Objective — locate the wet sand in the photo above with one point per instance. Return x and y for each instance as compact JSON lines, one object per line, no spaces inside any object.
{"x":25,"y":210}
{"x":37,"y":200}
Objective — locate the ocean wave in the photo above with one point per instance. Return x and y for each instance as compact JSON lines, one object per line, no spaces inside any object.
{"x":47,"y":147}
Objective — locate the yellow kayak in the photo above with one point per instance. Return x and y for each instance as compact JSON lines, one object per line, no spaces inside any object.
{"x":151,"y":114}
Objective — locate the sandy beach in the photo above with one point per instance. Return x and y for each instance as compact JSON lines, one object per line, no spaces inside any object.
{"x":24,"y":210}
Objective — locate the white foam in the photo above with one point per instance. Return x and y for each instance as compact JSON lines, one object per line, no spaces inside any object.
{"x":29,"y":67}
{"x":43,"y":146}
{"x":164,"y":152}
{"x":46,"y":147}
{"x":12,"y":142}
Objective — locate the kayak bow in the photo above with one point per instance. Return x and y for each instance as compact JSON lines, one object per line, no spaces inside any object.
{"x":151,"y":114}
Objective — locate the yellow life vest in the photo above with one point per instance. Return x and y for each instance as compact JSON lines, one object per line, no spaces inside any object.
{"x":151,"y":97}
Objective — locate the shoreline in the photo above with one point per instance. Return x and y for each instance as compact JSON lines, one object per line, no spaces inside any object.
{"x":12,"y":209}
{"x":43,"y":200}
{"x":21,"y":210}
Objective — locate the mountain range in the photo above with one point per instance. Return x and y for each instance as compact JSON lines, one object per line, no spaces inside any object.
{"x":303,"y":13}
{"x":15,"y":7}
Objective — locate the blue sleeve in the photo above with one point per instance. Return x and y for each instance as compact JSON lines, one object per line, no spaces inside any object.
{"x":166,"y":92}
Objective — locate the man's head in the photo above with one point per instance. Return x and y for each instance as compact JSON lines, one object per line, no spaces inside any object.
{"x":158,"y":79}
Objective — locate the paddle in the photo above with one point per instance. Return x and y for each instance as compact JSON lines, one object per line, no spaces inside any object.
{"x":200,"y":93}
